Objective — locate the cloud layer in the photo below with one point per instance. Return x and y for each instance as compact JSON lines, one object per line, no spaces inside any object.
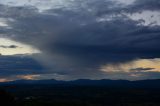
{"x":78,"y":37}
{"x":12,"y":67}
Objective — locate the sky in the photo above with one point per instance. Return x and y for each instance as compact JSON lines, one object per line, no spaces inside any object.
{"x":11,"y":47}
{"x":79,"y":39}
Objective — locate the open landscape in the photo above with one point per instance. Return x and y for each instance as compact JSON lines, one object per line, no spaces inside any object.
{"x":83,"y":93}
{"x":79,"y":52}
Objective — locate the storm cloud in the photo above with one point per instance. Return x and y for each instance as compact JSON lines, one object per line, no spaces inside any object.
{"x":79,"y":37}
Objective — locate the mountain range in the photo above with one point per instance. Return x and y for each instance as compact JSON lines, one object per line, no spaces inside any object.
{"x":87,"y":82}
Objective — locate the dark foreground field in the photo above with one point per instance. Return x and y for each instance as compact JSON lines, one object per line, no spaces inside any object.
{"x":106,"y":94}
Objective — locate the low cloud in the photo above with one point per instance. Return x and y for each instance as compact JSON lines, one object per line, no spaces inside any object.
{"x":142,"y":69}
{"x":17,"y":65}
{"x":11,"y":46}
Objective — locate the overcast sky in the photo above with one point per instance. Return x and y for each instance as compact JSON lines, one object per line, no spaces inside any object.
{"x":79,"y":39}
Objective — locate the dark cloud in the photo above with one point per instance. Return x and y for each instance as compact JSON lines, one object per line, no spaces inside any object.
{"x":17,"y":65}
{"x":11,"y":46}
{"x":140,"y":5}
{"x":142,"y":69}
{"x":17,"y":12}
{"x":85,"y":35}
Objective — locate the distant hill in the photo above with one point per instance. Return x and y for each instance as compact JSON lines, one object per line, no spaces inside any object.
{"x":87,"y":82}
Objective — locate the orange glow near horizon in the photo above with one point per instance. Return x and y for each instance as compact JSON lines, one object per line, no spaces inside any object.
{"x":154,"y":64}
{"x":4,"y":80}
{"x":28,"y":77}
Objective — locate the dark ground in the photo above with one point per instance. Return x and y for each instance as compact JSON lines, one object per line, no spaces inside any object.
{"x":42,"y":95}
{"x":80,"y":94}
